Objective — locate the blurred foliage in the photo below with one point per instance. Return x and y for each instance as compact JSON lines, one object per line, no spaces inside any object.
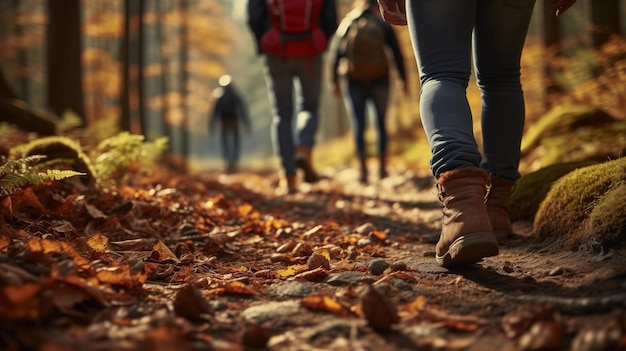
{"x":99,"y":164}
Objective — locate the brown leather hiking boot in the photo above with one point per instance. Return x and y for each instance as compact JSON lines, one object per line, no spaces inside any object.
{"x":287,"y":185}
{"x":466,"y":233}
{"x":303,"y":161}
{"x":498,"y":203}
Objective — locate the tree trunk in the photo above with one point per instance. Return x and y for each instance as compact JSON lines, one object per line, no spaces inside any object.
{"x":65,"y":89}
{"x":17,"y":112}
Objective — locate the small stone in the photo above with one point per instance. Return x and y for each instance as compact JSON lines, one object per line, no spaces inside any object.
{"x":398,"y":266}
{"x":364,"y":242}
{"x":556,"y":271}
{"x":378,"y":266}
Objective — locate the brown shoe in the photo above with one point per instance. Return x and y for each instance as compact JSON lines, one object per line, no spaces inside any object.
{"x":498,"y":204}
{"x":466,"y":233}
{"x":303,"y":161}
{"x":287,"y":185}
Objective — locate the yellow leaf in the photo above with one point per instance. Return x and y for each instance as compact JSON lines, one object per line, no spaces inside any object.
{"x":98,"y":242}
{"x":291,"y":270}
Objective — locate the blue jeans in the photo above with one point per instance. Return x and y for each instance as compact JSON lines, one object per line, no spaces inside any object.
{"x":279,"y":76}
{"x":356,"y":97}
{"x":445,"y":34}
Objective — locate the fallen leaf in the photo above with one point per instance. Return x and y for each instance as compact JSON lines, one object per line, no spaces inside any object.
{"x":190,"y":304}
{"x":378,"y":309}
{"x":162,"y":253}
{"x":291,"y":270}
{"x":322,"y":302}
{"x":98,"y":242}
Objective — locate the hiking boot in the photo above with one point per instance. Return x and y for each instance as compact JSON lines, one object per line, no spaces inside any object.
{"x":287,"y":185}
{"x":466,"y":233}
{"x":498,"y":203}
{"x":303,"y":161}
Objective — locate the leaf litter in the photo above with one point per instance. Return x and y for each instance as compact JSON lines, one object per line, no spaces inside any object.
{"x":172,"y":261}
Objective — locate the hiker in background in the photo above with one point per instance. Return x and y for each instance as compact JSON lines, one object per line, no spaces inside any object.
{"x":231,"y":113}
{"x":447,"y":37}
{"x":293,"y":35}
{"x":360,"y":61}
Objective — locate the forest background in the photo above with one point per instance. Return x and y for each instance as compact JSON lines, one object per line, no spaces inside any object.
{"x":149,"y":67}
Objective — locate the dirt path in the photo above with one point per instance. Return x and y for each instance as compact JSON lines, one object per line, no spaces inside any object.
{"x":317,"y":270}
{"x":490,"y":306}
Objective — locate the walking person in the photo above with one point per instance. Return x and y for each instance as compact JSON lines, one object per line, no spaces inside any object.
{"x":364,"y":52}
{"x":293,"y":35}
{"x":447,"y":37}
{"x":231,"y":113}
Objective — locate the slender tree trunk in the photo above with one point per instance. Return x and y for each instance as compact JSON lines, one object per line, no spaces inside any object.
{"x":65,"y":89}
{"x":184,"y":58}
{"x":125,"y":121}
{"x":605,"y":20}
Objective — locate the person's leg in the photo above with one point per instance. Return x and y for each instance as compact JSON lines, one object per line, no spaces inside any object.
{"x":356,"y":101}
{"x":236,"y":150}
{"x":279,"y":82}
{"x":500,"y":32}
{"x":499,"y":36}
{"x":441,"y":32}
{"x":224,"y":136}
{"x":309,"y":73}
{"x":379,"y":92}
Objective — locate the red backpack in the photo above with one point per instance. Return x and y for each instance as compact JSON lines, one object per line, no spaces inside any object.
{"x":295,"y":31}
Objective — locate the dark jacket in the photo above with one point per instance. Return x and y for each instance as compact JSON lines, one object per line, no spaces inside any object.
{"x":260,"y":22}
{"x":337,"y":49}
{"x":230,"y":109}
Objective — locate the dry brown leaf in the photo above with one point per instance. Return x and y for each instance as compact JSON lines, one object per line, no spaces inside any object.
{"x":162,"y":253}
{"x":322,"y":302}
{"x":25,"y":200}
{"x":5,"y":241}
{"x":43,"y":247}
{"x":314,"y":275}
{"x":254,"y":335}
{"x":381,"y":313}
{"x":6,"y":206}
{"x":190,"y":304}
{"x":120,"y":276}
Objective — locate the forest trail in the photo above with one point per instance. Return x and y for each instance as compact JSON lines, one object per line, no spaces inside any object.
{"x":219,"y":262}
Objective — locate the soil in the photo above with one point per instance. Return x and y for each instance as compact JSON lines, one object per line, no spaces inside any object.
{"x":264,"y":291}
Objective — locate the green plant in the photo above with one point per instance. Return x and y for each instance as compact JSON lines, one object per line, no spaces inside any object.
{"x":20,"y":172}
{"x":124,"y":149}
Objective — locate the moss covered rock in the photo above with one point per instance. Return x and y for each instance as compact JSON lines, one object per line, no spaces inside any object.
{"x":586,"y":208}
{"x":572,"y":134}
{"x":532,"y":188}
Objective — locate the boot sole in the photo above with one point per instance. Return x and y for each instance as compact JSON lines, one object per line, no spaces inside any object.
{"x":470,"y":248}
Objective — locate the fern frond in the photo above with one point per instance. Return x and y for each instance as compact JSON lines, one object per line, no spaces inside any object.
{"x":18,"y":173}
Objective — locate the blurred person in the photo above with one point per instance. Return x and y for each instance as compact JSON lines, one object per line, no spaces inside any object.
{"x":293,"y":35}
{"x":231,"y":113}
{"x":360,"y":61}
{"x":447,"y":37}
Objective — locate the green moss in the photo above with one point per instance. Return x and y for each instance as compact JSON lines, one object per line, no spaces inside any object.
{"x":563,"y":119}
{"x":574,"y":133}
{"x":585,"y":206}
{"x":57,"y":149}
{"x":532,"y":188}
